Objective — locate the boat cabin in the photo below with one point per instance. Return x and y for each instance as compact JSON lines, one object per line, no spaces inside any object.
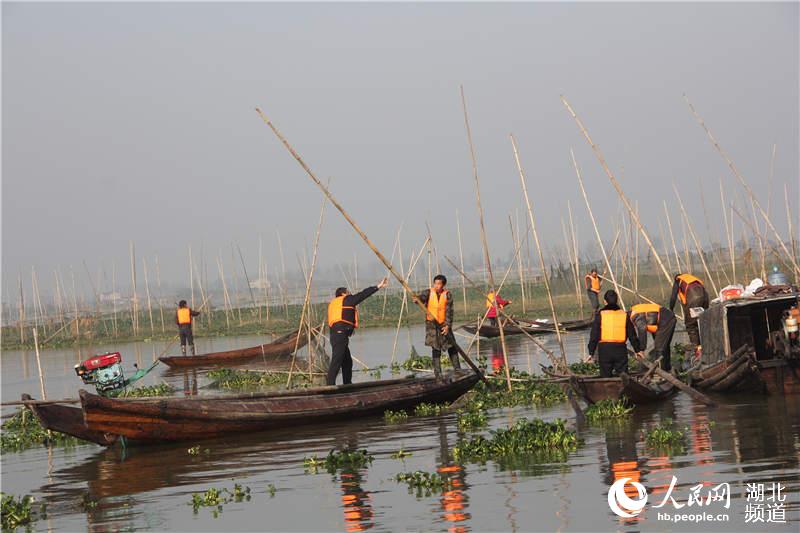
{"x":726,"y":326}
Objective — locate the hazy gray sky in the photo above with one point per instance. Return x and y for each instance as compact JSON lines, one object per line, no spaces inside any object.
{"x":135,"y":122}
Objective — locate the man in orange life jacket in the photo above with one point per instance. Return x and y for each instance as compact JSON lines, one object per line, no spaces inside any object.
{"x":692,"y":293}
{"x":183,"y":318}
{"x":660,"y":323}
{"x":342,"y":321}
{"x":439,"y":324}
{"x":593,"y":283}
{"x":610,"y":331}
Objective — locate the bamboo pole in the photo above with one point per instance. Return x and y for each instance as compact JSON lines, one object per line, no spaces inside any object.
{"x":484,"y":241}
{"x":532,"y":220}
{"x":236,"y":288}
{"x":694,"y":238}
{"x":672,"y":237}
{"x":147,"y":292}
{"x":614,"y":182}
{"x":58,"y":301}
{"x":594,"y":225}
{"x":461,"y":259}
{"x":21,"y":311}
{"x":160,"y":295}
{"x":307,"y":296}
{"x":515,"y":240}
{"x":247,"y":278}
{"x":391,"y":260}
{"x":283,"y":274}
{"x":35,"y":297}
{"x":728,"y":231}
{"x":404,"y":303}
{"x":744,"y":184}
{"x":225,"y":299}
{"x":769,"y":185}
{"x":114,"y":297}
{"x":134,"y":297}
{"x":191,"y":277}
{"x":749,"y":224}
{"x":39,"y":364}
{"x":358,"y":230}
{"x":791,"y":231}
{"x":576,"y":265}
{"x":75,"y":306}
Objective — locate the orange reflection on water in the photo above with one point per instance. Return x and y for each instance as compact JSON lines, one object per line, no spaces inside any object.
{"x":355,"y":503}
{"x":454,"y":501}
{"x":627,"y":469}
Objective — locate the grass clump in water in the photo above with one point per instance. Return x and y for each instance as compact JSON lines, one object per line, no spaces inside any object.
{"x":401,"y":454}
{"x":587,"y":368}
{"x":424,"y":483}
{"x":162,"y":389}
{"x":23,"y":431}
{"x":607,"y":410}
{"x":429,"y":409}
{"x":529,"y":391}
{"x":338,"y":460}
{"x":395,"y":417}
{"x":19,"y":511}
{"x":524,"y":437}
{"x":472,"y":417}
{"x":216,"y":498}
{"x":666,"y":436}
{"x":227,"y":378}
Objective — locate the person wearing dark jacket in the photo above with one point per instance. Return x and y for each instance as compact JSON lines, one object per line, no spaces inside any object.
{"x":610,"y":331}
{"x":439,"y":324}
{"x":342,"y":321}
{"x":660,"y":322}
{"x":692,"y":293}
{"x":183,"y":318}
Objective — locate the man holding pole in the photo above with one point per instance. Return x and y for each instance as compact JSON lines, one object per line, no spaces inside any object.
{"x":660,"y":323}
{"x":692,"y":294}
{"x":183,"y":318}
{"x":342,"y":321}
{"x":593,"y":283}
{"x":610,"y":332}
{"x":439,"y":324}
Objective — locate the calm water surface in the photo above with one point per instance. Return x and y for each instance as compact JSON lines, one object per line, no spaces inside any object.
{"x":748,"y":439}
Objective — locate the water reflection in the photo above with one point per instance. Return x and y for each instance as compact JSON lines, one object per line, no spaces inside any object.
{"x":453,"y":503}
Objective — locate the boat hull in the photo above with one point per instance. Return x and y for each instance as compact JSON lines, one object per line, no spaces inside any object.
{"x":280,"y":348}
{"x":532,"y":328}
{"x":177,"y":419}
{"x":67,"y":420}
{"x":626,"y":388}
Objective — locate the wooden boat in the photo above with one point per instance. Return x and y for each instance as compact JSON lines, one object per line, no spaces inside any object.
{"x":631,"y":388}
{"x":66,"y":419}
{"x":746,"y":349}
{"x":278,"y":348}
{"x":151,"y":420}
{"x":535,"y":327}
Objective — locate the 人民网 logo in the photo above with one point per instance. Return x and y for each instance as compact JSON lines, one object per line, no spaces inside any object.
{"x":621,"y":503}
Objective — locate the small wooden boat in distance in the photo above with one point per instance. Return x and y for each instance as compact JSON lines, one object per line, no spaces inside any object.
{"x":280,"y":347}
{"x":152,"y":420}
{"x":535,"y":327}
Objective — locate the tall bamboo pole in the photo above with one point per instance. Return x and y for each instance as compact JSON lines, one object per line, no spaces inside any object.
{"x":412,"y":265}
{"x":461,"y":259}
{"x":596,"y":231}
{"x":791,"y":231}
{"x":484,"y":241}
{"x":75,"y":306}
{"x":391,"y":260}
{"x":283,"y":276}
{"x":160,"y":295}
{"x":39,"y":364}
{"x":247,"y":278}
{"x":694,"y":238}
{"x":616,"y":185}
{"x":728,"y":232}
{"x":147,"y":292}
{"x":226,"y":303}
{"x":358,"y":230}
{"x":134,"y":297}
{"x":514,"y":238}
{"x":672,"y":237}
{"x":742,"y":181}
{"x":760,"y":241}
{"x":576,"y":261}
{"x":114,"y":297}
{"x":532,"y":220}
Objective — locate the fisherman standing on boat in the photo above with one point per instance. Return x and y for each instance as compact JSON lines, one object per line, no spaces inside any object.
{"x":493,"y":303}
{"x":183,"y":318}
{"x":342,"y":321}
{"x":593,"y":283}
{"x":610,"y":331}
{"x":660,"y":323}
{"x":692,"y":293}
{"x":439,"y":324}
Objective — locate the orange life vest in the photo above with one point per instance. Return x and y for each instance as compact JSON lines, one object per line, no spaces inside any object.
{"x":652,"y":313}
{"x":613,"y":326}
{"x":184,"y":316}
{"x":594,"y":283}
{"x":490,"y":300}
{"x":685,"y":281}
{"x":338,"y":312}
{"x":437,"y":306}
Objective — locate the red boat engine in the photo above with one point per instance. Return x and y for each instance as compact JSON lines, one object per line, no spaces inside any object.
{"x":103,"y":371}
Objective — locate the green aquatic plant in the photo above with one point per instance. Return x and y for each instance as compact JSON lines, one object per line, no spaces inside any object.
{"x":195,"y":450}
{"x":395,"y":417}
{"x":666,"y":436}
{"x":607,"y":410}
{"x":216,"y":498}
{"x":271,"y":490}
{"x":472,"y":418}
{"x":162,"y":389}
{"x":228,"y":378}
{"x":338,"y":460}
{"x":88,"y":503}
{"x":424,"y":483}
{"x":429,"y":409}
{"x":23,"y":431}
{"x":524,"y":437}
{"x":400,"y":454}
{"x":526,"y":390}
{"x":19,"y":511}
{"x":587,"y":368}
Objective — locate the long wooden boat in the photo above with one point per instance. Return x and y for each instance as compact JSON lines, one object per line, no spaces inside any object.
{"x":66,"y":419}
{"x":152,"y":420}
{"x":278,"y":348}
{"x":634,"y":389}
{"x":534,"y":327}
{"x":746,"y":349}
